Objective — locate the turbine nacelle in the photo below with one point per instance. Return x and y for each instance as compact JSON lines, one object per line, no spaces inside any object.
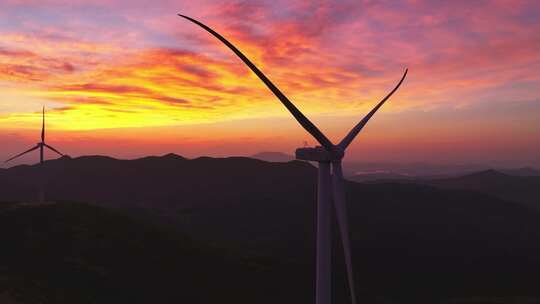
{"x":320,"y":154}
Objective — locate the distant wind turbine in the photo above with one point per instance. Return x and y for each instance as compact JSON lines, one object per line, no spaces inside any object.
{"x":329,"y":184}
{"x":41,"y":146}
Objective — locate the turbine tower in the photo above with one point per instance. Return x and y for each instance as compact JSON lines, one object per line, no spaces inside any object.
{"x":330,"y":180}
{"x":41,"y":146}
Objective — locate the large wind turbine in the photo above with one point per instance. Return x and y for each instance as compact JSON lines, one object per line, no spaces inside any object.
{"x":329,"y":184}
{"x":41,"y":146}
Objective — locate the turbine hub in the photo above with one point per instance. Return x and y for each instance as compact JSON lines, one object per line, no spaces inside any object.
{"x":319,"y":154}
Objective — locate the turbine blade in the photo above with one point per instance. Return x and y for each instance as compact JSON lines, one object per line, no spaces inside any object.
{"x":303,"y":120}
{"x":53,"y":149}
{"x":43,"y":126}
{"x":21,"y":154}
{"x":341,"y":214}
{"x":352,"y":134}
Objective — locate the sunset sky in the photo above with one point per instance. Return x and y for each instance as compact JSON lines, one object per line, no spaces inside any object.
{"x":130,"y":78}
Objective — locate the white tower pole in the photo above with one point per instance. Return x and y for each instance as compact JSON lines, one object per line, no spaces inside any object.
{"x":324,"y":237}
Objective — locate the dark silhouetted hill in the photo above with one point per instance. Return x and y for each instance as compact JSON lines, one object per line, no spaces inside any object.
{"x":77,"y":253}
{"x":412,"y":243}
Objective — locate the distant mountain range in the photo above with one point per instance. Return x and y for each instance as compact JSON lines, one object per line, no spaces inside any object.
{"x":412,"y":243}
{"x":517,"y":188}
{"x":524,"y":171}
{"x":367,"y":171}
{"x":522,"y":189}
{"x":274,"y":157}
{"x":380,"y":175}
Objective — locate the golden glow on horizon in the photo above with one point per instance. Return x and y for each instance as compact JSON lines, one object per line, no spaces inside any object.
{"x":161,"y":88}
